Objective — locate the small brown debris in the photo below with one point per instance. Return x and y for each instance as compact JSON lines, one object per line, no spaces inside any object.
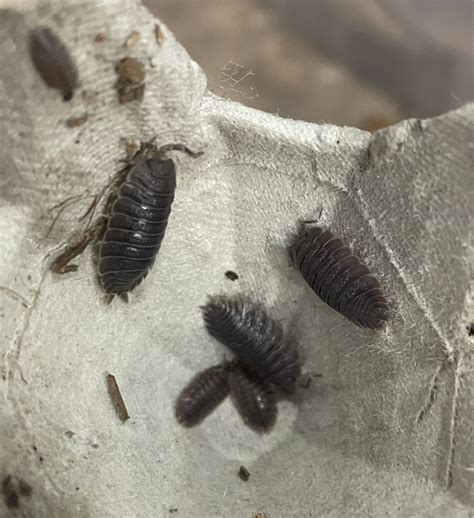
{"x":116,"y":397}
{"x":130,"y":86}
{"x":159,"y":36}
{"x":131,"y":93}
{"x":101,"y":37}
{"x":231,"y":275}
{"x":131,"y":69}
{"x":133,"y":145}
{"x":173,"y":510}
{"x":304,"y":381}
{"x":260,"y":515}
{"x":70,"y":434}
{"x":132,"y":39}
{"x":244,"y":473}
{"x":14,"y":487}
{"x":74,"y":122}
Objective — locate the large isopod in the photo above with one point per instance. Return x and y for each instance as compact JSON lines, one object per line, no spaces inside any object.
{"x":133,"y":227}
{"x":339,"y":278}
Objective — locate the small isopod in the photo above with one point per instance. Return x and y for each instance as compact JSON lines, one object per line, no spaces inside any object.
{"x":253,"y":399}
{"x":53,"y":61}
{"x":256,"y":339}
{"x":339,"y":278}
{"x":202,"y":395}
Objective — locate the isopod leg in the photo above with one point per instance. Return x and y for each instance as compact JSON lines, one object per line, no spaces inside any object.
{"x":124,"y":297}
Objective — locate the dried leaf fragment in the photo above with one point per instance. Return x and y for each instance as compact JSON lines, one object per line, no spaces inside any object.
{"x":130,"y":86}
{"x":101,"y":37}
{"x":133,"y":145}
{"x":132,"y":39}
{"x":159,"y":36}
{"x":74,"y":122}
{"x":131,"y":70}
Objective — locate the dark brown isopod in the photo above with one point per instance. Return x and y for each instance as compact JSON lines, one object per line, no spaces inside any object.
{"x":138,"y":220}
{"x":202,"y":395}
{"x":53,"y":61}
{"x":339,"y":278}
{"x":256,"y":339}
{"x":253,"y":399}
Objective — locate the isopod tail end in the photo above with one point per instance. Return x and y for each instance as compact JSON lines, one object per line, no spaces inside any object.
{"x":382,"y":314}
{"x":124,"y":296}
{"x":109,"y":299}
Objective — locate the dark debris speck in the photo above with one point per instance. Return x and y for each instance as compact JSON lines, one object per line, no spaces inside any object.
{"x":244,"y":473}
{"x":231,"y":275}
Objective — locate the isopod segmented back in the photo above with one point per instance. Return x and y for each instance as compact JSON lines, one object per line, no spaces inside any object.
{"x":202,"y":395}
{"x":254,"y":399}
{"x":256,"y":339}
{"x":339,"y":278}
{"x":137,"y":225}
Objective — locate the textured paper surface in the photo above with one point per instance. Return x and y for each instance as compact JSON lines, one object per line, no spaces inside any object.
{"x":385,"y":429}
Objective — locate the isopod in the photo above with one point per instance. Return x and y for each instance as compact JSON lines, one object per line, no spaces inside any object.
{"x":137,"y":224}
{"x":53,"y":61}
{"x":134,"y":222}
{"x":254,"y":399}
{"x":256,"y":339}
{"x":339,"y":278}
{"x":202,"y":395}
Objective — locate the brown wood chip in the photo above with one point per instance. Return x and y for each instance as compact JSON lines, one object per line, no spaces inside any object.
{"x":116,"y":397}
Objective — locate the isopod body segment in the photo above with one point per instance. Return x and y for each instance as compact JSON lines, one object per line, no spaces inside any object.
{"x":339,"y":278}
{"x":256,"y":339}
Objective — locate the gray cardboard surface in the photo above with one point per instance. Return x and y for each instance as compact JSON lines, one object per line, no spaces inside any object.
{"x":385,"y":431}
